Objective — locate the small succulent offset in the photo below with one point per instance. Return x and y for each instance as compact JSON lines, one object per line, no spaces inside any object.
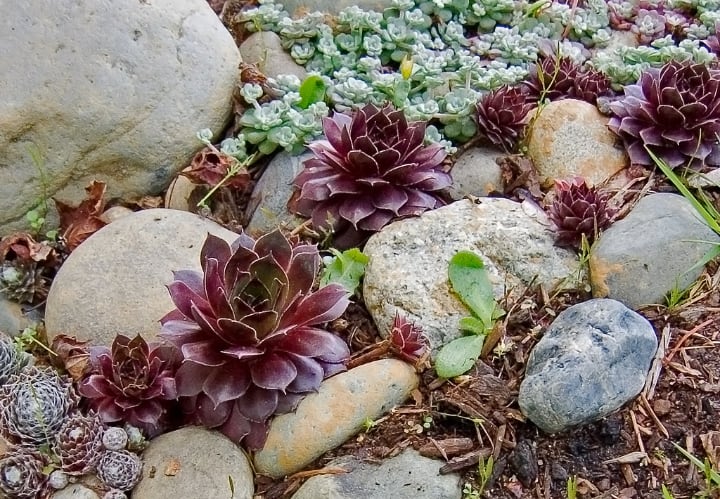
{"x":578,"y":211}
{"x":372,"y":168}
{"x":249,"y":330}
{"x":21,"y":473}
{"x":132,"y":382}
{"x":407,"y":340}
{"x":119,"y":469}
{"x":675,"y":111}
{"x":35,"y":404}
{"x":501,"y":116}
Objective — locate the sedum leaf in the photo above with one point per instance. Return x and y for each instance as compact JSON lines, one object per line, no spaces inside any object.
{"x":469,"y":279}
{"x":345,"y":269}
{"x":458,"y":356}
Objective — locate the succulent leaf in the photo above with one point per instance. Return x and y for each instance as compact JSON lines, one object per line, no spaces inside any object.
{"x":675,"y":110}
{"x":578,"y":210}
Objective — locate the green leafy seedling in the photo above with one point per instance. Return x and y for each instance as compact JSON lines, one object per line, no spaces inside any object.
{"x":346,"y":269}
{"x":312,"y":90}
{"x":571,"y":487}
{"x":712,"y":477}
{"x":470,"y":281}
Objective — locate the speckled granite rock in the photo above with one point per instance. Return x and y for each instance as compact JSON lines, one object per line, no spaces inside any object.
{"x":408,"y":268}
{"x":405,"y":476}
{"x":570,"y":138}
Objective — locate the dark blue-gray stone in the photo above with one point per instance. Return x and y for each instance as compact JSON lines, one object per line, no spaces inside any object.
{"x":592,"y":359}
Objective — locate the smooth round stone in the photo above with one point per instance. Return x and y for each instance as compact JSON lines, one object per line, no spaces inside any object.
{"x":193,"y":462}
{"x":115,"y":281}
{"x":570,"y":138}
{"x":115,"y":213}
{"x":265,"y":51}
{"x":326,"y":419}
{"x":119,"y":91}
{"x":476,"y":173}
{"x":75,"y":491}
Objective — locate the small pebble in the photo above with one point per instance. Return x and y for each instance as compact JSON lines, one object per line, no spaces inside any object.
{"x":662,"y":407}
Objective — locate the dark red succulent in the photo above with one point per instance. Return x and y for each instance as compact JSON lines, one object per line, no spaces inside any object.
{"x":578,"y":210}
{"x":132,"y":382}
{"x":673,"y":110}
{"x":372,"y":167}
{"x":249,"y":330}
{"x":501,"y":116}
{"x":552,"y":78}
{"x":556,"y":78}
{"x":407,"y":340}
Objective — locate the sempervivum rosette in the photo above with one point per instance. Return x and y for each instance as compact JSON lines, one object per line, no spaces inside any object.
{"x":578,"y":210}
{"x":373,"y":167}
{"x":35,"y":404}
{"x":21,"y":473}
{"x":501,"y":116}
{"x":79,"y":444}
{"x":12,"y":359}
{"x":248,"y":330}
{"x":132,"y":382}
{"x":675,"y":111}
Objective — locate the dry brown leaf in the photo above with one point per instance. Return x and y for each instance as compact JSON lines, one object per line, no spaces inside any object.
{"x":72,"y":355}
{"x":211,"y":168}
{"x":519,"y":173}
{"x":21,"y":246}
{"x":711,"y":444}
{"x":80,"y":222}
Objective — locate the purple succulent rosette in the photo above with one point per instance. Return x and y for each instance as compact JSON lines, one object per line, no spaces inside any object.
{"x":675,"y":111}
{"x":248,"y":327}
{"x":132,"y":382}
{"x":372,"y":168}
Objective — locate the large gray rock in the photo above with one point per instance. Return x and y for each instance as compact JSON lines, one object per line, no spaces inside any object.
{"x":640,"y":258}
{"x":106,"y":90}
{"x":408,"y":268}
{"x":194,"y":462}
{"x":326,"y":419}
{"x":592,"y":359}
{"x":267,"y":208}
{"x":570,"y":138}
{"x":405,"y":476}
{"x":114,"y":282}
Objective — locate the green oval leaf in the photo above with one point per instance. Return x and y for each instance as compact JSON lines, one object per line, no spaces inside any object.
{"x":469,"y":279}
{"x":346,"y":269}
{"x":458,"y":356}
{"x":311,"y":90}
